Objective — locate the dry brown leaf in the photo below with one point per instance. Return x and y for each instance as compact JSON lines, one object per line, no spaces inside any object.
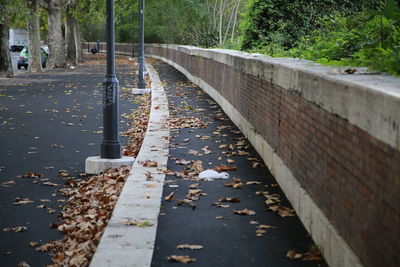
{"x":63,"y":173}
{"x":219,"y":205}
{"x":21,"y":201}
{"x":182,"y":162}
{"x":293,"y":255}
{"x":182,"y":259}
{"x":253,"y":182}
{"x":245,"y":211}
{"x":185,"y":202}
{"x":197,"y":166}
{"x":229,"y":199}
{"x":224,"y":168}
{"x":10,"y":182}
{"x":265,"y":226}
{"x":187,"y":246}
{"x":194,"y":186}
{"x":16,"y":229}
{"x":33,"y":244}
{"x":261,"y":232}
{"x":313,"y":254}
{"x":235,"y":185}
{"x":283,"y":211}
{"x":170,"y":196}
{"x":50,"y":184}
{"x":230,"y":161}
{"x":23,"y":263}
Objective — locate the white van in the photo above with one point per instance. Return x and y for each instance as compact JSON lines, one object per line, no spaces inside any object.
{"x":18,"y":39}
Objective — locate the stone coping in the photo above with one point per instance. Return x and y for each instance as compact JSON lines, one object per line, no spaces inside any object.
{"x":369,"y":101}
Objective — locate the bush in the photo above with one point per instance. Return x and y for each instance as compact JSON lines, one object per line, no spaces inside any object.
{"x":367,"y":38}
{"x":291,"y":19}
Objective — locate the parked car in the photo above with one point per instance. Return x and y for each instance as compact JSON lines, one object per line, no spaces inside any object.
{"x":24,"y":57}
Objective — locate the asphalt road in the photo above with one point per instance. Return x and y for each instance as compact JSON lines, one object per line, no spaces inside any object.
{"x":48,"y":122}
{"x":228,"y":239}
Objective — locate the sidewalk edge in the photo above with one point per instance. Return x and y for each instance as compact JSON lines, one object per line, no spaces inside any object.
{"x":140,"y":199}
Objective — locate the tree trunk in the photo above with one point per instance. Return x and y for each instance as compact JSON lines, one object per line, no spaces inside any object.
{"x":78,"y":42}
{"x":70,"y":36}
{"x":57,"y":58}
{"x":34,"y":61}
{"x":6,"y":70}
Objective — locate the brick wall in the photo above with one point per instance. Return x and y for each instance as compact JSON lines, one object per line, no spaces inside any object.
{"x":351,"y":173}
{"x":352,"y":176}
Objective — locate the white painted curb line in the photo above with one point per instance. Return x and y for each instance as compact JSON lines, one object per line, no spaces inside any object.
{"x":140,"y":199}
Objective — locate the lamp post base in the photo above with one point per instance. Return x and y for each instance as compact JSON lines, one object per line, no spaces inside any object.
{"x":96,"y":165}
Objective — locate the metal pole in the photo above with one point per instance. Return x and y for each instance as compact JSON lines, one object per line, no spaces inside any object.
{"x":110,"y":147}
{"x":141,"y":83}
{"x":133,"y":31}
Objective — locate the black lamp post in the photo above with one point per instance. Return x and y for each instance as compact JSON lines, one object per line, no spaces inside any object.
{"x":141,"y":83}
{"x":110,"y":147}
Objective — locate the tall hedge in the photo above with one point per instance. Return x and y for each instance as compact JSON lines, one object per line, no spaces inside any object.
{"x":291,"y":19}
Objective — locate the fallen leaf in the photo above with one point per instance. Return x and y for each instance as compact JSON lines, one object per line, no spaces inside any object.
{"x":253,"y":182}
{"x":21,"y":201}
{"x":194,"y":152}
{"x":50,"y":184}
{"x":16,"y":229}
{"x":186,"y":202}
{"x":194,"y":186}
{"x":265,"y":226}
{"x":197,"y":166}
{"x":260,"y":232}
{"x":187,"y":246}
{"x":44,"y":248}
{"x":219,"y":217}
{"x":33,"y":244}
{"x":313,"y":254}
{"x":182,"y":162}
{"x":149,"y":176}
{"x":245,"y":211}
{"x":63,"y":173}
{"x":219,"y":205}
{"x":223,"y":168}
{"x":170,"y":197}
{"x":230,"y":161}
{"x":23,"y":264}
{"x":182,"y":259}
{"x":153,"y":164}
{"x":283,"y":211}
{"x":293,"y":255}
{"x":228,"y":199}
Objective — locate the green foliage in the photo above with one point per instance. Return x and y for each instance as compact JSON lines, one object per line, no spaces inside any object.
{"x":290,"y":19}
{"x":365,"y":38}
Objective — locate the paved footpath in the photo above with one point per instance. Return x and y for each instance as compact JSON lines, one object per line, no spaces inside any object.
{"x":49,"y":122}
{"x":228,"y":239}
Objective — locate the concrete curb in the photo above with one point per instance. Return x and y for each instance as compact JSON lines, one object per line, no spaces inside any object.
{"x":140,"y":199}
